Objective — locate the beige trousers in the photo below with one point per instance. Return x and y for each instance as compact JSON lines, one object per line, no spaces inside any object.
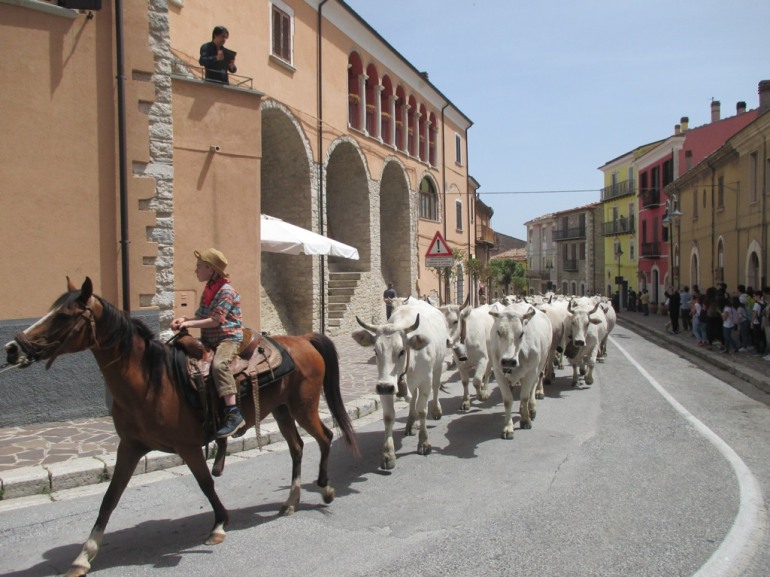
{"x":220,"y":367}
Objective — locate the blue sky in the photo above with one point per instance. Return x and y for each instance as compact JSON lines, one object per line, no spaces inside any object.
{"x":556,"y":89}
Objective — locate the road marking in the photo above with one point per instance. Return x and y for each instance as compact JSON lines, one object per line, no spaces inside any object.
{"x":748,"y":531}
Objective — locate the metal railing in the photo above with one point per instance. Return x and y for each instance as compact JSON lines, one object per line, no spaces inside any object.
{"x":618,"y":189}
{"x":650,"y":198}
{"x":570,"y":233}
{"x":621,"y":226}
{"x":485,"y":234}
{"x":571,"y":266}
{"x":187,"y":65}
{"x":651,"y":249}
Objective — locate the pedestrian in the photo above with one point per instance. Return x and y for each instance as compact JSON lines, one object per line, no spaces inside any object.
{"x":673,"y":299}
{"x":684,"y":308}
{"x":387,"y":297}
{"x":632,"y":301}
{"x":216,"y":59}
{"x":757,"y":332}
{"x":219,"y":319}
{"x":743,"y":324}
{"x":714,"y":313}
{"x":728,"y":323}
{"x":699,"y":321}
{"x":645,"y":300}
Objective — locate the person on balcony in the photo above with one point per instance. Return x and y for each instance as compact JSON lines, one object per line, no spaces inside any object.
{"x":216,"y":59}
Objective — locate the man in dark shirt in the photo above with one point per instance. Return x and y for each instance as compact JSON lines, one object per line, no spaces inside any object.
{"x":216,"y":59}
{"x":674,"y":303}
{"x":388,"y":296}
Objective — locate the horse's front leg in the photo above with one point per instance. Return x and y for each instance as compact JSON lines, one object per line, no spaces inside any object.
{"x":219,"y":458}
{"x":296,"y":445}
{"x":196,"y":462}
{"x":128,"y":457}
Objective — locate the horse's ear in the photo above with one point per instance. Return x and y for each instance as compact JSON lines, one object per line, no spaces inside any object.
{"x":86,"y":291}
{"x":70,"y":287}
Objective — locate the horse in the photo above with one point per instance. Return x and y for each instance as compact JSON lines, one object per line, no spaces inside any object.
{"x":149,"y":409}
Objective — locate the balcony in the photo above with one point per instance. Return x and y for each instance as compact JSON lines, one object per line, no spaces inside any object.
{"x":651,"y":250}
{"x":621,"y":226}
{"x":570,"y":234}
{"x":485,"y":234}
{"x":650,"y":198}
{"x":618,"y":189}
{"x":571,"y":266}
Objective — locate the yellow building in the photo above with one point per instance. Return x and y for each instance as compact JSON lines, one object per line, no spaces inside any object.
{"x":723,"y":233}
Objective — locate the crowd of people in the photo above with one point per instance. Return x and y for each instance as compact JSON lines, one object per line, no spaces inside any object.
{"x":717,"y":319}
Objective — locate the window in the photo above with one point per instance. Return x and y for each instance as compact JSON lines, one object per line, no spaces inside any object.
{"x":459,"y":214}
{"x":694,"y":204}
{"x":688,"y":159}
{"x":753,"y":177}
{"x":631,"y":249}
{"x":428,"y":200}
{"x":282,"y":30}
{"x":582,"y":251}
{"x":458,"y":149}
{"x":721,"y":192}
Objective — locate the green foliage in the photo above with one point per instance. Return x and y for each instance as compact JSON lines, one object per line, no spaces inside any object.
{"x":510,"y":274}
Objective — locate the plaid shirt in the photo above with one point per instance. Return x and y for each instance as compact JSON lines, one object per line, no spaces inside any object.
{"x":225,"y":308}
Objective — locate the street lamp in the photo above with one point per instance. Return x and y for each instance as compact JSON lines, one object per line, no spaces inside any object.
{"x":619,"y":279}
{"x":549,"y":268}
{"x":672,"y":217}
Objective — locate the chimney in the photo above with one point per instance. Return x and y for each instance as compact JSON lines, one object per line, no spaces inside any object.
{"x":685,"y":121}
{"x":740,"y":108}
{"x":764,"y":96}
{"x":677,"y":129}
{"x":715,"y":110}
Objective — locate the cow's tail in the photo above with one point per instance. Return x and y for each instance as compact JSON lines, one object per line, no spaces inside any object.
{"x":325,"y":347}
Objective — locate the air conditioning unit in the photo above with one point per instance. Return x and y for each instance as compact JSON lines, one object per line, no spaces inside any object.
{"x":81,"y":4}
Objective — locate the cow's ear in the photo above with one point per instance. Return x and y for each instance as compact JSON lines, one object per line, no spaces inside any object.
{"x":595,"y":321}
{"x":363,"y":338}
{"x":418,"y":342}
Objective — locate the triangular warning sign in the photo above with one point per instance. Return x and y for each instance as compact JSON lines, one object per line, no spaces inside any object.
{"x":438,"y":247}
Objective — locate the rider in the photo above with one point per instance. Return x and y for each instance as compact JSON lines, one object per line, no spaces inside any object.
{"x":219,"y":318}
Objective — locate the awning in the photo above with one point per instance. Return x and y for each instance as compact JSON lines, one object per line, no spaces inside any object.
{"x":283,"y":237}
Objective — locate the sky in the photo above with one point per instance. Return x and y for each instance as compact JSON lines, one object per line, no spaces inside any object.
{"x":556,"y":89}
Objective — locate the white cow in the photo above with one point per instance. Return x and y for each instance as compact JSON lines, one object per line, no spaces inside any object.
{"x":411,"y":345}
{"x":612,"y":319}
{"x":557,"y":313}
{"x":469,"y":330}
{"x":588,"y":327}
{"x":518,"y":349}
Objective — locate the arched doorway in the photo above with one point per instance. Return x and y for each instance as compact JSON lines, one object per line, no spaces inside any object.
{"x":395,"y":227}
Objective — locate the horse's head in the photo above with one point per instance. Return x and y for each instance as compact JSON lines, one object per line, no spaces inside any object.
{"x":67,"y":328}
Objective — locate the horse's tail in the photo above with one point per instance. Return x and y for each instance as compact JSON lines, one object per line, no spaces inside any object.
{"x":325,"y":346}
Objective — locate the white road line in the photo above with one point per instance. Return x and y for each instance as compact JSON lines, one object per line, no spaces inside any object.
{"x":750,"y":525}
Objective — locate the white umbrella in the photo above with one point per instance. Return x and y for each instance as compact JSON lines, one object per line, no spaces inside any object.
{"x":280,"y":236}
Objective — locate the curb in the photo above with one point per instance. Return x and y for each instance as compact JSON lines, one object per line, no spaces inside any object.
{"x":44,"y":481}
{"x":759,"y":380}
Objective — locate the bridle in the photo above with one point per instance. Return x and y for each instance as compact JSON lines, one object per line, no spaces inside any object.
{"x":36,"y":351}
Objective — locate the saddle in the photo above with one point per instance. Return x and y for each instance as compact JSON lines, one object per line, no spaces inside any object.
{"x":260,"y":361}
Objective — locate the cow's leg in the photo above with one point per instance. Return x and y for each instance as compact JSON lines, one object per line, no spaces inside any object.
{"x":436,"y":385}
{"x":590,"y":363}
{"x":507,"y":393}
{"x":412,"y":417}
{"x":465,"y":378}
{"x":528,"y":399}
{"x":423,"y":445}
{"x":574,"y":372}
{"x":481,"y":378}
{"x":388,"y":458}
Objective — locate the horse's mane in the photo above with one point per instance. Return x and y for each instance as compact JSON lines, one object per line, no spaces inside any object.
{"x":120,"y":329}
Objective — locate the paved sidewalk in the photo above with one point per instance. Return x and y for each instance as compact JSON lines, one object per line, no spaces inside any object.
{"x":39,"y":460}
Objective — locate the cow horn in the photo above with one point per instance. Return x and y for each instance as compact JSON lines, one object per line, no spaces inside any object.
{"x":370,"y":328}
{"x":569,"y":306}
{"x":529,"y":314}
{"x":415,"y":325}
{"x":593,"y":311}
{"x":467,"y":300}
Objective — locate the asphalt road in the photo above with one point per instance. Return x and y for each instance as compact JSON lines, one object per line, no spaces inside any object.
{"x":657,"y":469}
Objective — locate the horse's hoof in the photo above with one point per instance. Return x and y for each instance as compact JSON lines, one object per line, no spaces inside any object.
{"x":507,"y":435}
{"x":328,"y":494}
{"x":215,"y":538}
{"x":77,"y":571}
{"x":424,"y":449}
{"x":286,"y":511}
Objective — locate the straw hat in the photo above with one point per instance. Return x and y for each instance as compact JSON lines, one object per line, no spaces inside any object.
{"x":214,"y":258}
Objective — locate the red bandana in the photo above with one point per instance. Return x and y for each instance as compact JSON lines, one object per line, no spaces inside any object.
{"x":212,"y":288}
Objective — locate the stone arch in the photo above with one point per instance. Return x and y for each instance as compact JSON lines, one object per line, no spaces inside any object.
{"x":348,"y":204}
{"x":397,"y":232}
{"x":694,"y":266}
{"x":753,"y":273}
{"x":287,"y":178}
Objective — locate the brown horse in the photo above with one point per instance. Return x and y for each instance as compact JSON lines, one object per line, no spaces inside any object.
{"x":150,"y":412}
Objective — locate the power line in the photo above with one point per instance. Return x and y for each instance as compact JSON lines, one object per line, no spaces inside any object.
{"x":539,"y":191}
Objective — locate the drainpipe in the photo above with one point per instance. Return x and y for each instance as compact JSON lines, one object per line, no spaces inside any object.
{"x":763,"y":236}
{"x":713,"y":226}
{"x":468,"y":196}
{"x":123,"y":170}
{"x":443,"y":189}
{"x":321,"y":259}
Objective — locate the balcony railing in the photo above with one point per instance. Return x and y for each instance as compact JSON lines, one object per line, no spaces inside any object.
{"x":570,"y":233}
{"x":650,"y":198}
{"x":187,"y":65}
{"x":621,"y":226}
{"x":618,"y":189}
{"x":571,"y":266}
{"x":485,"y":234}
{"x":651,"y":249}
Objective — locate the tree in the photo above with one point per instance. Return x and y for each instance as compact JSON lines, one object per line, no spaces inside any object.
{"x":509,"y":273}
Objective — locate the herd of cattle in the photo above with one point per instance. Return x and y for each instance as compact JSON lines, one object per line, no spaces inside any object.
{"x":521,"y":340}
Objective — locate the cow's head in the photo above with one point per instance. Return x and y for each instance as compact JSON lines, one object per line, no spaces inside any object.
{"x":580,"y":317}
{"x":391,"y":343}
{"x":510,"y":325}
